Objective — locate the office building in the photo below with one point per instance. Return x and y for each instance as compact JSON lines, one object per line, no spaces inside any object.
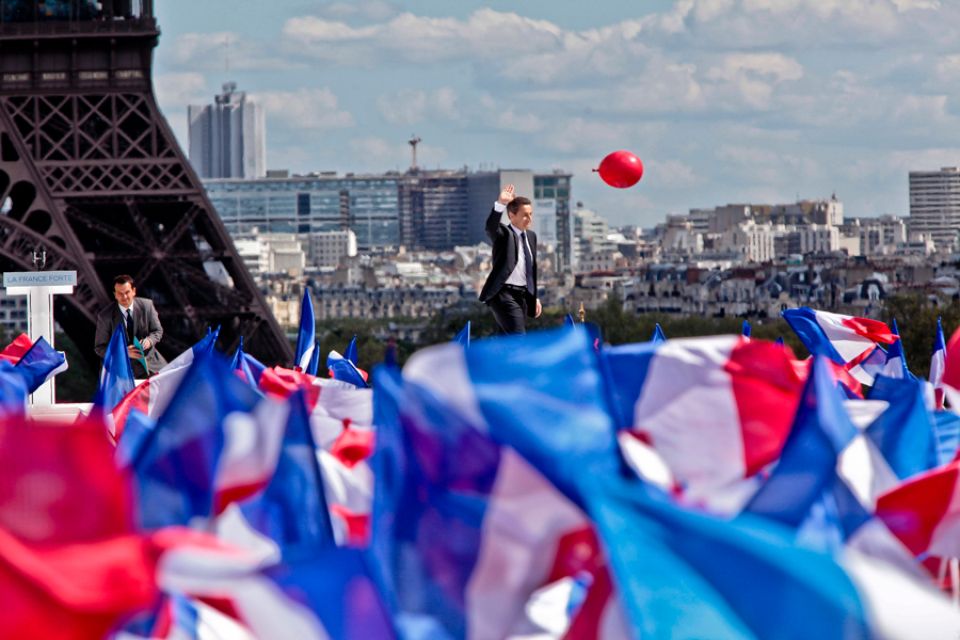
{"x":366,"y":204}
{"x":935,"y":206}
{"x":227,"y":139}
{"x":328,"y":248}
{"x":434,"y":210}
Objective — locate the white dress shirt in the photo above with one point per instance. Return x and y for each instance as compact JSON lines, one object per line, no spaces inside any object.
{"x":518,"y":276}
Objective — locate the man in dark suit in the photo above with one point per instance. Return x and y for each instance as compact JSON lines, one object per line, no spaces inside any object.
{"x":511,"y":288}
{"x":140,"y":319}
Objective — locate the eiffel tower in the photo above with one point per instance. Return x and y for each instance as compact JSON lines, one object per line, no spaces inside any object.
{"x":91,"y":173}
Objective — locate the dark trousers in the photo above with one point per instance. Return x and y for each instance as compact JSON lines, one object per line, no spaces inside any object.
{"x":509,"y":308}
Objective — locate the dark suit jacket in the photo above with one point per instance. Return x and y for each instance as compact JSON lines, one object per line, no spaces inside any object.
{"x":146,"y":324}
{"x":506,"y":246}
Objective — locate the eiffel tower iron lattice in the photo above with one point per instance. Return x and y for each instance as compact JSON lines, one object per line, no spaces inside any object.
{"x":91,"y":173}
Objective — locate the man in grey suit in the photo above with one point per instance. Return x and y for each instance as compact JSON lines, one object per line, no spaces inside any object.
{"x":140,"y":319}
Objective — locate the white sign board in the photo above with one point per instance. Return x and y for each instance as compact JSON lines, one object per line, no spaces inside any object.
{"x":40,"y":287}
{"x":39,"y":278}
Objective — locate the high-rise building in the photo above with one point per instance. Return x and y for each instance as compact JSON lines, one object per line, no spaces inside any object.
{"x":935,"y":205}
{"x":590,"y":232}
{"x":555,"y":187}
{"x":227,"y":139}
{"x":434,"y":211}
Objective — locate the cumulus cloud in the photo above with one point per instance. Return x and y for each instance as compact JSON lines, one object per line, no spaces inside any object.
{"x":305,"y":109}
{"x":223,"y":50}
{"x":367,"y":10}
{"x":767,"y":166}
{"x":175,"y":90}
{"x":412,"y":106}
{"x":421,"y":39}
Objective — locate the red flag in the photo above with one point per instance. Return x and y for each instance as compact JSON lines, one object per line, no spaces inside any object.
{"x":15,"y":350}
{"x":283,"y":383}
{"x":71,"y":565}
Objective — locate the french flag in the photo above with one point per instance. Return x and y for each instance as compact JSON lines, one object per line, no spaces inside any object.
{"x":84,"y":570}
{"x":342,"y":368}
{"x":307,"y":334}
{"x":716,"y":410}
{"x":341,"y":418}
{"x":291,"y":511}
{"x":938,"y":362}
{"x":40,"y":363}
{"x":15,"y":350}
{"x":691,"y":575}
{"x":825,"y":484}
{"x":890,"y":362}
{"x":457,"y":499}
{"x":329,"y":594}
{"x":177,"y":467}
{"x":116,"y":374}
{"x":924,"y":512}
{"x":13,"y":391}
{"x":847,"y":340}
{"x":683,"y":574}
{"x":152,"y":396}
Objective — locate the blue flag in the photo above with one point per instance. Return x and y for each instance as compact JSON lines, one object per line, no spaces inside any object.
{"x":658,"y":336}
{"x":947,"y":434}
{"x":116,"y":374}
{"x":307,"y":335}
{"x":688,"y":575}
{"x":343,"y":369}
{"x":175,"y":467}
{"x":904,"y":432}
{"x":40,"y":363}
{"x":351,"y":352}
{"x":463,"y":336}
{"x":337,"y":586}
{"x":804,"y":490}
{"x":13,"y":391}
{"x":314,"y":364}
{"x":292,"y":510}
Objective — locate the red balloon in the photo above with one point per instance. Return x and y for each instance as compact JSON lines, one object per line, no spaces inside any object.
{"x":621,"y":169}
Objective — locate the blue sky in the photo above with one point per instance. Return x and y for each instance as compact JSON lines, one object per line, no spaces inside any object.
{"x":724,"y":100}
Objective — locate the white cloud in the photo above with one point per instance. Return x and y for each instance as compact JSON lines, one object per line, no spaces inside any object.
{"x":225,"y":51}
{"x":768,"y":166}
{"x":174,"y":92}
{"x":412,"y":106}
{"x":304,"y":109}
{"x":795,"y":23}
{"x":376,"y":10}
{"x":485,"y":34}
{"x":671,"y":174}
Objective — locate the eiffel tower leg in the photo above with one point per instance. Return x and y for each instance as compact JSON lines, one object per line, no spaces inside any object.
{"x":91,"y":172}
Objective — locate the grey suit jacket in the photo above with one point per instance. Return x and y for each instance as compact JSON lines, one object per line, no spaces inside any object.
{"x":146,"y":324}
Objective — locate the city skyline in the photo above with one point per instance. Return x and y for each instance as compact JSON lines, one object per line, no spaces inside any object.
{"x":724,"y":100}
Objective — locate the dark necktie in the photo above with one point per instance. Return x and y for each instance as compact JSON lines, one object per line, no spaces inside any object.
{"x":529,"y":261}
{"x":128,"y":320}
